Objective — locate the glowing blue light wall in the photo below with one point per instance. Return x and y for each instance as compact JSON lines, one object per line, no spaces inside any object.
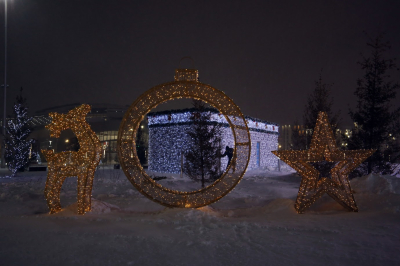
{"x":168,"y":139}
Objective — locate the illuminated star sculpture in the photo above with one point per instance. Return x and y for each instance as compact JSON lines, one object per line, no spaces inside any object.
{"x":315,"y":183}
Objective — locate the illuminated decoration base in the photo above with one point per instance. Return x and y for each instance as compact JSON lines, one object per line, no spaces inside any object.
{"x":168,"y":140}
{"x":186,"y":85}
{"x":323,"y":148}
{"x":82,"y":163}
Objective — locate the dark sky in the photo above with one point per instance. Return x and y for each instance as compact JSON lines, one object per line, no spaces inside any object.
{"x":265,"y":55}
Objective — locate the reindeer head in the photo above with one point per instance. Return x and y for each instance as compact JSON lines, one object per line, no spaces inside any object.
{"x":72,"y":119}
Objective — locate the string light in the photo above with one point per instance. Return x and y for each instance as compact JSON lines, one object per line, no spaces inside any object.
{"x":186,"y":85}
{"x":323,"y":148}
{"x":168,"y":139}
{"x":81,"y":163}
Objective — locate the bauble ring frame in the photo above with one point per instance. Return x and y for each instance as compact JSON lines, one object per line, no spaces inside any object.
{"x":176,"y":90}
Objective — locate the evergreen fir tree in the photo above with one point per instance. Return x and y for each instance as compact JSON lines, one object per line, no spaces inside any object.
{"x":203,"y":154}
{"x":18,"y":146}
{"x":319,"y":100}
{"x":376,"y":124}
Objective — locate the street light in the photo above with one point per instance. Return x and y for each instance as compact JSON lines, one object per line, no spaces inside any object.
{"x":3,"y":165}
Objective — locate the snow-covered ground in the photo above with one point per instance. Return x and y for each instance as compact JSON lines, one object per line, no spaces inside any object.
{"x":255,"y":224}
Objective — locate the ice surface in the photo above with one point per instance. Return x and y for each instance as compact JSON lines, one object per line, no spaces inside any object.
{"x":255,"y":224}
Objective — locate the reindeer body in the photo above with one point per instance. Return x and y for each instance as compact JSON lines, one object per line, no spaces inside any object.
{"x":81,"y":163}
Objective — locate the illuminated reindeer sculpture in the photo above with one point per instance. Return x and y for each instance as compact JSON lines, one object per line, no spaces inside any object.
{"x":81,"y":163}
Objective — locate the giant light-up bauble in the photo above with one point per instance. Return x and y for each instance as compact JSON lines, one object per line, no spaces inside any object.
{"x":186,"y":85}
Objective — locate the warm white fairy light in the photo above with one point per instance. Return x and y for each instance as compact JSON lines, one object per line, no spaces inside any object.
{"x":81,"y":163}
{"x":323,"y":148}
{"x":186,"y":85}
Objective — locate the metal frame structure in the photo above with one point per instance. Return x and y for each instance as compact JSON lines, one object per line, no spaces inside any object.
{"x":186,"y":85}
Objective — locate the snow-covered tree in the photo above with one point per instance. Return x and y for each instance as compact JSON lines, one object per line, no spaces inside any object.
{"x":377,"y":124}
{"x":202,"y":157}
{"x":18,"y":146}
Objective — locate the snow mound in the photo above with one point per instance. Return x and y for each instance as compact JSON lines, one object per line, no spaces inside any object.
{"x":279,"y":205}
{"x":274,"y":207}
{"x":373,"y":183}
{"x":98,"y":207}
{"x":205,"y":212}
{"x":267,"y":172}
{"x":102,"y":207}
{"x":396,"y":170}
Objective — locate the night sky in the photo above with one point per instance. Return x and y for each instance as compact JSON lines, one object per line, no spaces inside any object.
{"x":265,"y":55}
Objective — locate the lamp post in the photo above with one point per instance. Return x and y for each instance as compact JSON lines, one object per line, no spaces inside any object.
{"x":3,"y":165}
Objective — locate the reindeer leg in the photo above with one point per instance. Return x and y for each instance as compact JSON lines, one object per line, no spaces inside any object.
{"x":50,"y":191}
{"x":59,"y":181}
{"x":81,"y":193}
{"x":88,"y":189}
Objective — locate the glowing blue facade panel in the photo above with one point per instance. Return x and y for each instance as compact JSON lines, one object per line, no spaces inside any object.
{"x":168,"y":140}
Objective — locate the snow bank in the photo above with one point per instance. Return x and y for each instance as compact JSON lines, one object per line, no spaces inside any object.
{"x":98,"y":207}
{"x":376,"y":184}
{"x":255,"y":224}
